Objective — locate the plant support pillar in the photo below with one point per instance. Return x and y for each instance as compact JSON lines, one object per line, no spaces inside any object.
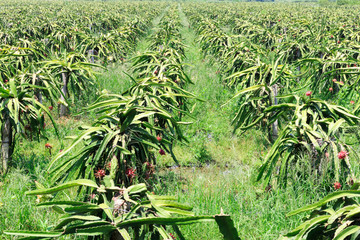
{"x":6,"y":142}
{"x":64,"y":93}
{"x":275,"y":125}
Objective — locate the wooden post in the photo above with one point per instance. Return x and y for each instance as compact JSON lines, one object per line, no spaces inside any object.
{"x":64,"y":110}
{"x":275,"y":125}
{"x":38,"y":96}
{"x":91,"y":55}
{"x":6,"y":144}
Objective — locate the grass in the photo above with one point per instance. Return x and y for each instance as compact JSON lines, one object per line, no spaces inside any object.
{"x":257,"y":214}
{"x":211,"y":138}
{"x":17,"y":210}
{"x":115,"y":79}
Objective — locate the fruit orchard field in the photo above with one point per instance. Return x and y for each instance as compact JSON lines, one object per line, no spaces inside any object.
{"x":247,"y":113}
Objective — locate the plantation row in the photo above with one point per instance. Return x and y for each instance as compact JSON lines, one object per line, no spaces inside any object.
{"x":322,"y":47}
{"x":107,"y":32}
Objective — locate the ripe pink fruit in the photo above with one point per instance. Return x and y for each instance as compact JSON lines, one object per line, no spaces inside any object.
{"x":351,"y":182}
{"x":159,"y":138}
{"x":334,"y":80}
{"x":171,"y":235}
{"x":341,"y":82}
{"x":352,"y":102}
{"x":162,"y":152}
{"x":100,"y":173}
{"x":338,"y":42}
{"x":308,"y":93}
{"x":48,"y":146}
{"x":130,"y":173}
{"x":150,"y":169}
{"x":337,"y":185}
{"x":149,"y":165}
{"x":331,"y":36}
{"x":327,"y":154}
{"x":331,"y":89}
{"x":342,"y":154}
{"x":5,"y":81}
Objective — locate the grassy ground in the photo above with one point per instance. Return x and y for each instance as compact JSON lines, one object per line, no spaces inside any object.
{"x":257,"y":214}
{"x":218,"y":170}
{"x":210,"y":136}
